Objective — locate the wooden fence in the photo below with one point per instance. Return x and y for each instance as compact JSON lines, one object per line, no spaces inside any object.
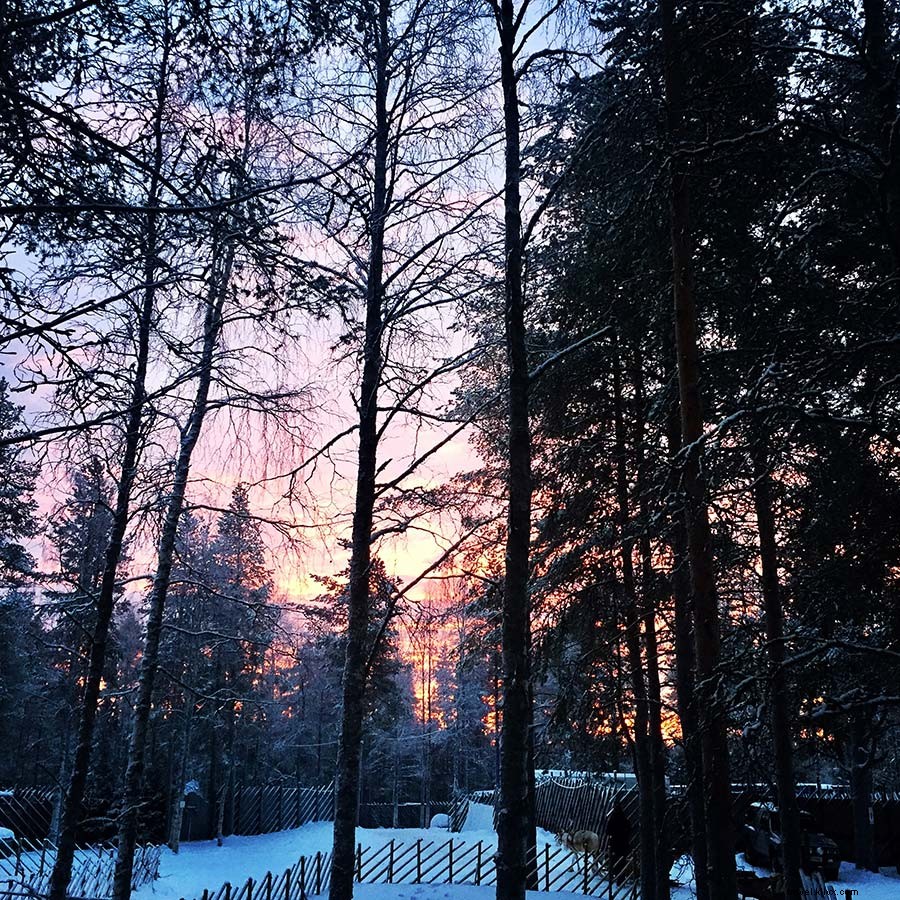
{"x":434,"y":862}
{"x":573,"y":804}
{"x":253,"y":810}
{"x":568,"y":804}
{"x":262,"y":810}
{"x":27,"y":811}
{"x":26,"y":865}
{"x":405,"y":815}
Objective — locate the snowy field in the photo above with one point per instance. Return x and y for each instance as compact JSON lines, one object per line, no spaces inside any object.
{"x":202,"y":865}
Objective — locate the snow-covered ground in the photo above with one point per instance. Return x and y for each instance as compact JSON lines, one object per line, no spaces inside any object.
{"x":442,"y":892}
{"x":868,"y":885}
{"x":202,"y":865}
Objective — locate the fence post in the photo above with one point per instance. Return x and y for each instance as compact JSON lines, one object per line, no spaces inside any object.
{"x":478,"y":865}
{"x":451,"y":860}
{"x":281,"y":807}
{"x":268,"y":886}
{"x":297,"y":822}
{"x":227,"y":890}
{"x":359,"y":862}
{"x":547,"y":867}
{"x":391,"y":862}
{"x":318,"y":871}
{"x":586,"y":870}
{"x":419,"y":861}
{"x":287,"y":881}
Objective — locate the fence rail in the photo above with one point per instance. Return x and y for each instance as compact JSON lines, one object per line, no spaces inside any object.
{"x":27,"y":811}
{"x":452,"y":861}
{"x":308,"y":877}
{"x":26,"y":866}
{"x":262,"y":810}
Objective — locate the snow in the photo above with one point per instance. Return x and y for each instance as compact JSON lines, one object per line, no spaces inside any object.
{"x":868,"y":885}
{"x":443,"y":892}
{"x":479,"y":818}
{"x":6,"y":834}
{"x":202,"y":865}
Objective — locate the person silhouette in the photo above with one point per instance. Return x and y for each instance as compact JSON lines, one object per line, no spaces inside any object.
{"x":618,"y":841}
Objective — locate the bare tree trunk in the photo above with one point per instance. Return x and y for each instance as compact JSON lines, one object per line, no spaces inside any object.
{"x":649,"y":594}
{"x":685,"y":675}
{"x":221,"y":800}
{"x":395,"y":789}
{"x":632,"y":622}
{"x":180,"y":776}
{"x":62,"y":778}
{"x":704,"y":601}
{"x":65,"y":855}
{"x":354,"y":679}
{"x":513,"y":818}
{"x":131,"y":798}
{"x":861,"y":758}
{"x":687,"y":709}
{"x":779,"y":695}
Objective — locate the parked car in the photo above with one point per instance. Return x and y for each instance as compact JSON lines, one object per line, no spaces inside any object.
{"x":762,"y":842}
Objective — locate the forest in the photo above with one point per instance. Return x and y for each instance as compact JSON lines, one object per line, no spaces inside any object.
{"x":401,"y":398}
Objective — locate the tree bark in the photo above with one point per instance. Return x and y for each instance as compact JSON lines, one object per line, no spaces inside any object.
{"x":72,"y":808}
{"x":649,"y":592}
{"x":862,"y":750}
{"x":354,"y":678}
{"x":514,"y":818}
{"x":704,"y":601}
{"x":131,"y":798}
{"x":685,"y":672}
{"x":181,"y":773}
{"x":779,"y":694}
{"x":632,"y":622}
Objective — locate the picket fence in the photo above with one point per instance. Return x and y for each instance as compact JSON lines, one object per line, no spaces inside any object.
{"x":26,"y":866}
{"x":433,"y":862}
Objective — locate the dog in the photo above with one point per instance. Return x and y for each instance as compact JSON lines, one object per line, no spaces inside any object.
{"x":582,"y":844}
